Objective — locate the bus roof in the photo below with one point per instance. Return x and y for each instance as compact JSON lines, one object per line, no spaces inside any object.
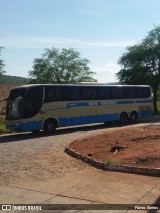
{"x":80,"y":85}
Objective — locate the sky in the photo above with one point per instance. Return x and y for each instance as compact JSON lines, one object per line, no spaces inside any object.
{"x":99,"y":29}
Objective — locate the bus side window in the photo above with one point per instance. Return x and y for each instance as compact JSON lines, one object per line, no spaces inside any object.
{"x":53,"y":94}
{"x":103,"y":93}
{"x":121,"y":93}
{"x":71,"y":94}
{"x":89,"y":93}
{"x":114,"y":92}
{"x":130,"y":92}
{"x":139,"y":93}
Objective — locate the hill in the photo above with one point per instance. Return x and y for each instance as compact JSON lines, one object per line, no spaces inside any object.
{"x":113,"y":83}
{"x":13,"y":80}
{"x":16,"y":80}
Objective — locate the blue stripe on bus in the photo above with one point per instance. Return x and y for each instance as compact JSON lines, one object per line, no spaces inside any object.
{"x":26,"y":126}
{"x":143,"y":114}
{"x":88,"y":119}
{"x":133,"y":101}
{"x":79,"y":120}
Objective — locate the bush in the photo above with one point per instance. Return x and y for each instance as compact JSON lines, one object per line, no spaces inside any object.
{"x":110,"y":162}
{"x":3,"y":129}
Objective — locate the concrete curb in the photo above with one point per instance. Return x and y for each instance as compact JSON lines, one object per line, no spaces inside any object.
{"x":117,"y":168}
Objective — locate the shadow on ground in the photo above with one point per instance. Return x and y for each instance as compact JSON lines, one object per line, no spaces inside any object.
{"x":61,"y":131}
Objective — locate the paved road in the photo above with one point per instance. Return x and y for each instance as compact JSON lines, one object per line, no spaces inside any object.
{"x":35,"y":169}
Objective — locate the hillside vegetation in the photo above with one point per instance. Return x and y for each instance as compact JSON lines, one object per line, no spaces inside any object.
{"x":13,"y":80}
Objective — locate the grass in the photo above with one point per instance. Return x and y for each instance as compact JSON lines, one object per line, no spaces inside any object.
{"x":158,"y":106}
{"x":3,"y":129}
{"x":110,"y":162}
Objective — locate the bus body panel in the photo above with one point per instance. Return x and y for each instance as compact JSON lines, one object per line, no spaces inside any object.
{"x":78,"y":115}
{"x":70,"y":113}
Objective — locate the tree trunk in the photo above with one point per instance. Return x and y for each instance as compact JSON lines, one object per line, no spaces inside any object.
{"x":155,"y":100}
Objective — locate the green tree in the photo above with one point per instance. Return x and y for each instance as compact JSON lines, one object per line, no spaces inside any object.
{"x":1,"y":65}
{"x":65,"y":66}
{"x":141,"y":63}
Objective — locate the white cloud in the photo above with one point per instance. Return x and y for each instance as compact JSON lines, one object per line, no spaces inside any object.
{"x":22,"y":41}
{"x":107,"y":73}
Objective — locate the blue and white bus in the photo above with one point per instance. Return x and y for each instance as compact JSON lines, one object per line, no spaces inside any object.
{"x":49,"y":106}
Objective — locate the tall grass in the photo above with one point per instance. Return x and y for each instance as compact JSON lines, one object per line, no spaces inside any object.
{"x":3,"y":129}
{"x":158,"y":107}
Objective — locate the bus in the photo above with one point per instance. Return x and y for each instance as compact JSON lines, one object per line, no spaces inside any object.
{"x":49,"y":106}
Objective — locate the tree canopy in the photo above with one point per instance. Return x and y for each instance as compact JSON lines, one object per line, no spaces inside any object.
{"x":65,"y":66}
{"x":1,"y":65}
{"x":141,"y":63}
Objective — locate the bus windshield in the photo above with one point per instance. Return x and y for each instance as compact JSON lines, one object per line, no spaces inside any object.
{"x":23,"y":103}
{"x":15,"y":104}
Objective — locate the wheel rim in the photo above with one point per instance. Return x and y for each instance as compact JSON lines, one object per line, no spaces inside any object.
{"x":50,"y":127}
{"x":133,"y":117}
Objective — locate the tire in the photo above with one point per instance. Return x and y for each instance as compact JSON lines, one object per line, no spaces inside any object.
{"x":123,"y":118}
{"x":133,"y":117}
{"x":108,"y":123}
{"x":49,"y":126}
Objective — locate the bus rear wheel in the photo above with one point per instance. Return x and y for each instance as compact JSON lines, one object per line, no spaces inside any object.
{"x":123,"y":118}
{"x":49,"y":126}
{"x":133,"y":117}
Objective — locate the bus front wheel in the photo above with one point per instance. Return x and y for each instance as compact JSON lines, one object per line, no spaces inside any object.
{"x":49,"y":126}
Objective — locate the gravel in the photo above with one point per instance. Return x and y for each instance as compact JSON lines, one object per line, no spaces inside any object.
{"x":39,"y":156}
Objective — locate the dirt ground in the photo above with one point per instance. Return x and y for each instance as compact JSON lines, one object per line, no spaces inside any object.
{"x":133,"y":146}
{"x":38,"y":157}
{"x":48,"y":163}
